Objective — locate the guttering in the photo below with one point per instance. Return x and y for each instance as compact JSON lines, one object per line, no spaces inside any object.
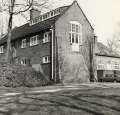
{"x":52,"y":30}
{"x":112,"y":56}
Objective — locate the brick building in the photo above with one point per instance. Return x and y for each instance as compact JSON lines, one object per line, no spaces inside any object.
{"x":55,"y":43}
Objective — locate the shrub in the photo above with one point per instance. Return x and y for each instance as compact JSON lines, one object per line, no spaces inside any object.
{"x":19,"y":75}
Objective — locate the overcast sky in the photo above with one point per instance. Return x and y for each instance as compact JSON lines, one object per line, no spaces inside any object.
{"x":104,"y":15}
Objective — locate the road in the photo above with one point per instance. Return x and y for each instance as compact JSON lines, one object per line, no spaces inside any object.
{"x":74,"y":99}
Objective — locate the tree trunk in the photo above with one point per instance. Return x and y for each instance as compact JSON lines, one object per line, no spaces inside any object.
{"x":8,"y":53}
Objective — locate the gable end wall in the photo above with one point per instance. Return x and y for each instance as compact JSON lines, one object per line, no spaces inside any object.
{"x":65,"y":53}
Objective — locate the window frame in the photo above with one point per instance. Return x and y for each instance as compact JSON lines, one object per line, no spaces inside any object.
{"x":116,"y":66}
{"x":23,"y":62}
{"x":24,"y":43}
{"x":76,"y":29}
{"x":47,"y":60}
{"x":100,"y":66}
{"x":34,"y":42}
{"x":46,"y":39}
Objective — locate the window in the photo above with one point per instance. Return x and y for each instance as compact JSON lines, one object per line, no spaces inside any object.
{"x":23,"y":45}
{"x":44,"y":16}
{"x":1,"y":49}
{"x":46,"y":59}
{"x":34,"y":40}
{"x":52,"y":13}
{"x":116,"y":66}
{"x":23,"y":61}
{"x":46,"y":37}
{"x":75,"y":33}
{"x":56,"y":11}
{"x":40,"y":18}
{"x":100,"y":67}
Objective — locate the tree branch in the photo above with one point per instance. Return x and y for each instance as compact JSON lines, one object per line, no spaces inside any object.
{"x":24,"y":10}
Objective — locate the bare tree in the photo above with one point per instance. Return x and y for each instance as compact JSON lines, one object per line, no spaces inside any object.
{"x":114,"y":43}
{"x":15,"y":7}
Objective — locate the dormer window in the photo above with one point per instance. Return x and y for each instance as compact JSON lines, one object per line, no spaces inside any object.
{"x":1,"y":49}
{"x":24,"y":44}
{"x":75,"y":35}
{"x":40,"y":18}
{"x":34,"y":40}
{"x":52,"y":13}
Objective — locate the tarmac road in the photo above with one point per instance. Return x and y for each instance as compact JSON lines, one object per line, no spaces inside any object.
{"x":72,"y":99}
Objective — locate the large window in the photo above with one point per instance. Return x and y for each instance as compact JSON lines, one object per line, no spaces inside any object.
{"x":47,"y":36}
{"x":75,"y":32}
{"x":1,"y":49}
{"x":34,"y":40}
{"x":75,"y":35}
{"x":23,"y":44}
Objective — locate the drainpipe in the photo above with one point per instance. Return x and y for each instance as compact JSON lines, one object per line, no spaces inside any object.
{"x":52,"y":30}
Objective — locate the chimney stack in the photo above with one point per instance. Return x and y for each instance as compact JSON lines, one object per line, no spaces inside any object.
{"x":34,"y":13}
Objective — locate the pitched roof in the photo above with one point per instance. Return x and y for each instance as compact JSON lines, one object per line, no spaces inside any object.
{"x":28,"y":30}
{"x":103,"y":50}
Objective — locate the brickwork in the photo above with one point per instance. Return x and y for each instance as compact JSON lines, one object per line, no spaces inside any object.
{"x":34,"y":53}
{"x":74,"y":13}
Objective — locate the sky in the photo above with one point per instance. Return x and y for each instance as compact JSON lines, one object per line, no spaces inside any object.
{"x":104,"y":16}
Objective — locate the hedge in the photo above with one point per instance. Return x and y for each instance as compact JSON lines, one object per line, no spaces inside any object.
{"x":19,"y":75}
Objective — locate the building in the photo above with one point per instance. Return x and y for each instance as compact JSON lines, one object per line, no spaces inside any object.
{"x":55,"y":43}
{"x":108,"y":63}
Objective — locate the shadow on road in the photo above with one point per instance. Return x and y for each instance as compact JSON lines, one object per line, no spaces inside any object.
{"x":77,"y":102}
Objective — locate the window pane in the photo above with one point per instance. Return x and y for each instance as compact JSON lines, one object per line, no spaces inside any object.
{"x":73,"y":27}
{"x":34,"y":40}
{"x":77,"y":38}
{"x":47,"y":37}
{"x":73,"y":37}
{"x":77,"y":28}
{"x":70,"y":37}
{"x":23,"y":43}
{"x":52,"y":13}
{"x":46,"y":59}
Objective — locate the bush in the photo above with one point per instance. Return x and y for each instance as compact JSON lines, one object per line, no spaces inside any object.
{"x":19,"y":75}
